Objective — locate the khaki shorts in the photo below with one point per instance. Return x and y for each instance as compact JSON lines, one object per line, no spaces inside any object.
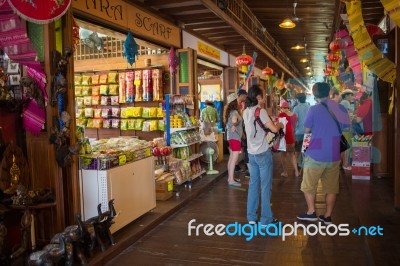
{"x":314,"y":170}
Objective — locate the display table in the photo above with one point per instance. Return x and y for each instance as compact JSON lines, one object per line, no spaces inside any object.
{"x":131,"y":185}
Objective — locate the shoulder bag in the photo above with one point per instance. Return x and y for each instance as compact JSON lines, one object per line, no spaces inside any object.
{"x":344,"y":145}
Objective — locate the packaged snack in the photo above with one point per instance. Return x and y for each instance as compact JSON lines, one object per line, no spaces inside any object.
{"x":157,"y":85}
{"x":115,"y":112}
{"x":105,"y":100}
{"x":106,"y":112}
{"x":161,"y":125}
{"x":77,"y":79}
{"x":106,"y":123}
{"x":80,"y":122}
{"x":138,"y":86}
{"x":86,"y":79}
{"x":95,"y":100}
{"x":95,"y":79}
{"x":79,"y":102}
{"x":113,"y":77}
{"x":80,"y":113}
{"x":88,"y":112}
{"x":160,"y":112}
{"x":130,"y":87}
{"x":153,"y":125}
{"x":122,"y":87}
{"x":147,"y":85}
{"x":97,"y":123}
{"x":97,"y":113}
{"x":113,"y":89}
{"x":124,"y":113}
{"x":130,"y":111}
{"x":103,"y":78}
{"x":114,"y":100}
{"x":90,"y":123}
{"x":104,"y":90}
{"x":146,"y":112}
{"x":137,"y":111}
{"x":124,"y":124}
{"x":153,"y":112}
{"x":95,"y":90}
{"x":78,"y":90}
{"x":146,"y":126}
{"x":86,"y":90}
{"x":87,"y":100}
{"x":139,"y":124}
{"x":115,"y":123}
{"x":131,"y":124}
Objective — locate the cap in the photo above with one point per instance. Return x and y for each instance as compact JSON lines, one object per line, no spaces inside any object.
{"x":285,"y":104}
{"x":347,"y":91}
{"x":241,"y":92}
{"x":232,"y":97}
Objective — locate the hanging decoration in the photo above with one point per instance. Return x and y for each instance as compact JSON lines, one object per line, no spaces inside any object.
{"x":392,"y":7}
{"x":33,"y":113}
{"x":173,"y":61}
{"x":75,"y":34}
{"x":130,"y":49}
{"x":366,"y":49}
{"x":244,"y":60}
{"x":39,"y":11}
{"x":268,"y":72}
{"x":280,"y":83}
{"x":249,"y":71}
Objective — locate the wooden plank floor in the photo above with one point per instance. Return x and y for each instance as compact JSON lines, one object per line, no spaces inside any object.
{"x":359,"y":203}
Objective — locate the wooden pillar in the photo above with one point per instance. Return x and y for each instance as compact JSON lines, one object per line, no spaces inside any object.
{"x":396,"y":113}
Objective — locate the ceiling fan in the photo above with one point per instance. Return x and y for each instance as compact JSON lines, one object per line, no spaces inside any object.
{"x":295,"y":18}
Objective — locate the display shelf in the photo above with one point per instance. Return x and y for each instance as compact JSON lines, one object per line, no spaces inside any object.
{"x":193,"y":177}
{"x":194,"y":157}
{"x":172,"y":130}
{"x":184,"y":145}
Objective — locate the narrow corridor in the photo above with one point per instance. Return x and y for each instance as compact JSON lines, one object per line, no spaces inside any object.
{"x":360,"y":203}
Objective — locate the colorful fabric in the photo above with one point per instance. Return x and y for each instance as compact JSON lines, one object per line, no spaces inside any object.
{"x":290,"y":125}
{"x":364,"y":111}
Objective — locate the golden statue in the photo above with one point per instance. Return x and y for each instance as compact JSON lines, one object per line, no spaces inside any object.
{"x":14,"y":173}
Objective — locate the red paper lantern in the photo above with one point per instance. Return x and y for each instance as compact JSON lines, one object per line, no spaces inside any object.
{"x":267,"y":72}
{"x":334,"y":46}
{"x":333,"y":57}
{"x":244,"y":61}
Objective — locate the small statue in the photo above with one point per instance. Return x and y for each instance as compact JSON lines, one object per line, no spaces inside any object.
{"x":15,"y":173}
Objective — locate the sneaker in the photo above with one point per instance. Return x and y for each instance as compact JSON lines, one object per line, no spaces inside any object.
{"x":274,"y":221}
{"x":308,"y":217}
{"x":325,"y":220}
{"x":237,"y":168}
{"x":234,"y":184}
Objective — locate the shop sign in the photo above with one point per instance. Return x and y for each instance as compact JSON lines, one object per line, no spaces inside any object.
{"x":130,"y":17}
{"x":208,"y":50}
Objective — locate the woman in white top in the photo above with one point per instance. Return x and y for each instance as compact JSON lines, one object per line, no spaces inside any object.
{"x":260,"y":157}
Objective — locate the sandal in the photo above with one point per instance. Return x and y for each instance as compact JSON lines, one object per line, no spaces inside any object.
{"x":235,"y":184}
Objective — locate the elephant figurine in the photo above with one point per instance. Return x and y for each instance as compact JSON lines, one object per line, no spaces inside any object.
{"x":50,"y":255}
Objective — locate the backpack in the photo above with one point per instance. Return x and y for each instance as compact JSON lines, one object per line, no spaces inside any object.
{"x":272,"y":137}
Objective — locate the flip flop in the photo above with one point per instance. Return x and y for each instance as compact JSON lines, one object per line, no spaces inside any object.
{"x":237,"y":180}
{"x":235,"y":184}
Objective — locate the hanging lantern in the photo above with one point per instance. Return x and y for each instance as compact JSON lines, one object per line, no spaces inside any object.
{"x":333,"y":57}
{"x":334,"y":46}
{"x":280,"y":83}
{"x":244,"y":61}
{"x":267,"y":72}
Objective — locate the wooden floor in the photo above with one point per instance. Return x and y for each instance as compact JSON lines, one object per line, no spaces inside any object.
{"x":360,"y":203}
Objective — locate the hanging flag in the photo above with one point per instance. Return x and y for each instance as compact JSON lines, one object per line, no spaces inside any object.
{"x":130,"y":49}
{"x":173,"y":61}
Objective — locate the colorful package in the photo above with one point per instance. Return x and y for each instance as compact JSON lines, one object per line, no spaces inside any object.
{"x":161,"y":125}
{"x":146,"y":126}
{"x":105,"y":100}
{"x":124,"y":113}
{"x":77,"y":79}
{"x":146,"y":112}
{"x":97,"y":112}
{"x":103,"y":78}
{"x":106,"y":123}
{"x":114,"y":100}
{"x":138,"y":86}
{"x":122,"y":87}
{"x":130,"y":112}
{"x":79,"y":102}
{"x":90,"y":123}
{"x":86,"y":90}
{"x":115,"y":112}
{"x":113,"y":89}
{"x":124,"y":124}
{"x":87,"y":100}
{"x":158,"y":93}
{"x":147,"y":85}
{"x":130,"y":88}
{"x":96,"y":90}
{"x":104,"y":89}
{"x":97,"y":123}
{"x":80,"y":113}
{"x":86,"y":79}
{"x":113,"y":77}
{"x":95,"y":79}
{"x":106,"y":112}
{"x":115,"y":123}
{"x":153,"y":125}
{"x":153,"y":112}
{"x":95,"y":100}
{"x":78,"y":90}
{"x":88,"y":112}
{"x":137,"y":111}
{"x":131,"y":124}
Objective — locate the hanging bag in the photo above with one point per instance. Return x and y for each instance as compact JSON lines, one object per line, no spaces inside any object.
{"x":344,"y":145}
{"x":273,"y":139}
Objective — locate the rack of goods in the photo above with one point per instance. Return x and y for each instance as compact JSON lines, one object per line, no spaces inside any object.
{"x":183,"y":136}
{"x":121,"y":169}
{"x":124,"y":102}
{"x":361,"y":157}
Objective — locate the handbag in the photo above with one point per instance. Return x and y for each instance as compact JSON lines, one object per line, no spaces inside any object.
{"x":344,"y":145}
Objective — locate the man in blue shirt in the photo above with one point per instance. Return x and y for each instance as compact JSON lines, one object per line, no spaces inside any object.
{"x":300,"y":110}
{"x":323,"y":154}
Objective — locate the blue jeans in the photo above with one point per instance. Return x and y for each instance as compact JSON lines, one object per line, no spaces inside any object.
{"x":260,"y":173}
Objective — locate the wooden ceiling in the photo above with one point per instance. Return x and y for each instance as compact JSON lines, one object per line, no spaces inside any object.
{"x":230,"y":24}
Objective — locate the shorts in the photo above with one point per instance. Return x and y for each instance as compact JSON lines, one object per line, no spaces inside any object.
{"x":327,"y":172}
{"x":234,"y":145}
{"x":290,"y":147}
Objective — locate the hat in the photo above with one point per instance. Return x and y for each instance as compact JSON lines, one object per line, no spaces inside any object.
{"x":232,"y":97}
{"x":347,"y":91}
{"x":241,"y":92}
{"x":285,"y":104}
